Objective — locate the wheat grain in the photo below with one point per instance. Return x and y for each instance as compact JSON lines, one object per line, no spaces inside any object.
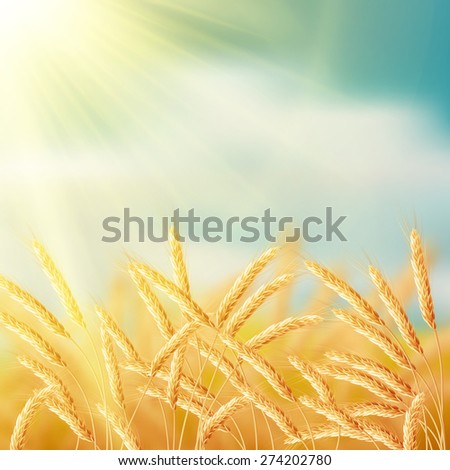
{"x":366,"y":311}
{"x":32,"y":337}
{"x":242,"y":283}
{"x":396,"y":310}
{"x":281,"y":328}
{"x":34,"y":306}
{"x":375,"y":336}
{"x":59,"y":284}
{"x":26,"y":417}
{"x":412,"y":423}
{"x":121,"y":428}
{"x":422,"y":280}
{"x":254,"y":302}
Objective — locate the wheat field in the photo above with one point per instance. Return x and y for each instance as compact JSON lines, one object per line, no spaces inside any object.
{"x":154,"y":369}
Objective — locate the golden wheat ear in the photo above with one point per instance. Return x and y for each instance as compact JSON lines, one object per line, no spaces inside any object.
{"x":26,"y":417}
{"x":422,"y":280}
{"x":365,"y":310}
{"x":32,"y":337}
{"x":35,"y":307}
{"x":396,"y":310}
{"x":121,"y":428}
{"x":59,"y":284}
{"x":412,"y":422}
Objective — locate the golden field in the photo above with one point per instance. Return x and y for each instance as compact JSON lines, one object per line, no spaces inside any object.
{"x":157,"y":368}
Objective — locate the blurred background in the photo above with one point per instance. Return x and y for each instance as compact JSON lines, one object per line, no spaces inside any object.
{"x":229,"y":108}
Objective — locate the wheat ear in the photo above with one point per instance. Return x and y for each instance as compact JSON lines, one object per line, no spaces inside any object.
{"x":217,"y":420}
{"x":51,"y":380}
{"x":315,"y":378}
{"x":374,"y":368}
{"x":362,"y":379}
{"x":188,"y":403}
{"x":351,"y":426}
{"x":281,"y":328}
{"x":34,"y":306}
{"x":191,"y":310}
{"x":341,"y":288}
{"x":178,"y":340}
{"x":32,"y":337}
{"x":422,"y":280}
{"x":262,"y":366}
{"x":254,"y":302}
{"x":412,"y":423}
{"x":152,"y":303}
{"x":26,"y":417}
{"x":178,"y":263}
{"x":67,"y":414}
{"x":242,"y":283}
{"x":59,"y":284}
{"x":396,"y":310}
{"x":175,"y":374}
{"x":382,"y":410}
{"x":112,"y":368}
{"x":375,"y":336}
{"x":121,"y":428}
{"x":119,"y":336}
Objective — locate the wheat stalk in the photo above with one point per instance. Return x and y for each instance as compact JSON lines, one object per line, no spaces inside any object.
{"x":412,"y":423}
{"x":374,"y":368}
{"x":396,"y":310}
{"x":254,"y":302}
{"x":32,"y":337}
{"x":33,"y":306}
{"x":121,"y":428}
{"x":375,"y":336}
{"x":341,"y":288}
{"x":422,"y":280}
{"x":242,"y":283}
{"x":59,"y":284}
{"x":26,"y":417}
